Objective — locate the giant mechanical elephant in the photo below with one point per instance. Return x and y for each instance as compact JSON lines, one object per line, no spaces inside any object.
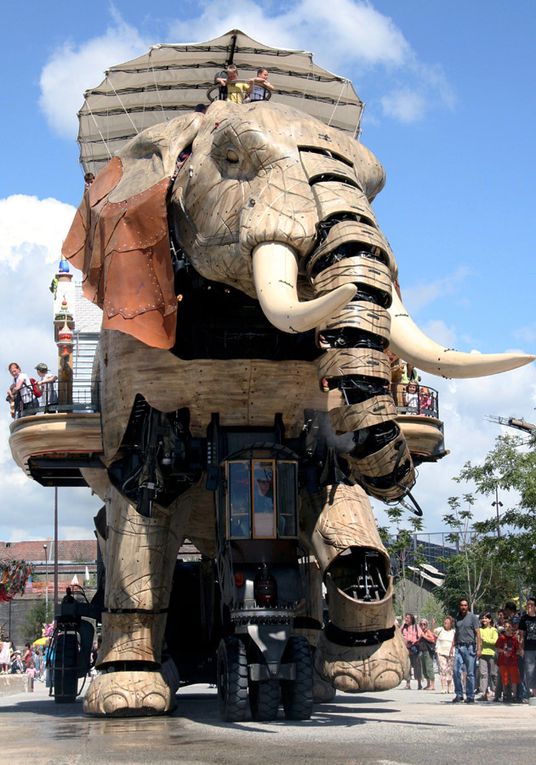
{"x":241,"y":271}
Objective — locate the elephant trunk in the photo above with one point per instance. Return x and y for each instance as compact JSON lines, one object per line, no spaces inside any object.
{"x":353,"y":251}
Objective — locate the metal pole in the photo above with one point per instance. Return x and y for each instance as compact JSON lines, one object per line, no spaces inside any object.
{"x":55,"y":550}
{"x":45,"y":548}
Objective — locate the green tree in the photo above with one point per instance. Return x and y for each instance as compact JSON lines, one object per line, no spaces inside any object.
{"x":402,"y":548}
{"x":497,"y":556}
{"x":35,"y":618}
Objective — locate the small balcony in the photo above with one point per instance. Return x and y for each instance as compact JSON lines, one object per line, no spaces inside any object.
{"x":418,"y":416}
{"x":56,"y":435}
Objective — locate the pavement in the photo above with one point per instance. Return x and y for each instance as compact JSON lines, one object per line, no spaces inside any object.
{"x":398,"y":727}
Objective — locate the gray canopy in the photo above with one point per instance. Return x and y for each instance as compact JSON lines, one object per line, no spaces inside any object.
{"x":172,"y":79}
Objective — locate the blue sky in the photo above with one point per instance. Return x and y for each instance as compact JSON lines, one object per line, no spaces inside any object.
{"x":450,"y":112}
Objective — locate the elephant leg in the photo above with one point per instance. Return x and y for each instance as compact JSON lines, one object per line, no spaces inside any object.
{"x":140,"y":555}
{"x":360,"y":649}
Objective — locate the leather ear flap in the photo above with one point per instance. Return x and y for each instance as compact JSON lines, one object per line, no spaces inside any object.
{"x":120,"y":235}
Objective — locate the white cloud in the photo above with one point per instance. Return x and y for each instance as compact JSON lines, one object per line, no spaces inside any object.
{"x":404,"y":105}
{"x":73,"y":69}
{"x":526,"y":334}
{"x":362,"y":33}
{"x":32,"y":227}
{"x":441,"y":333}
{"x":420,"y":295}
{"x":346,"y":36}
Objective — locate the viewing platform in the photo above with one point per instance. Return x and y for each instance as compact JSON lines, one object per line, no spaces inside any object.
{"x":53,"y":442}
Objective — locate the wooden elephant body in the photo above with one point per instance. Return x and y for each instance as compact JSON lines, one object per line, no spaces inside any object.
{"x":247,"y":296}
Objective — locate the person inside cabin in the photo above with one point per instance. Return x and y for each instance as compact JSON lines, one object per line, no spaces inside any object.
{"x":88,"y":180}
{"x":46,"y":382}
{"x":236,"y":91}
{"x":19,"y":394}
{"x":259,"y":86}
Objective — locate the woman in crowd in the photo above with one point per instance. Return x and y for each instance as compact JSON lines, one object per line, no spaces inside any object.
{"x":444,"y":653}
{"x":412,"y":634}
{"x":427,"y":646}
{"x":5,"y":655}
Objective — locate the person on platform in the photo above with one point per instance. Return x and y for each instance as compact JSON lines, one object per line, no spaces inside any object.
{"x":259,"y":86}
{"x":236,"y":91}
{"x":45,"y":381}
{"x":20,"y":392}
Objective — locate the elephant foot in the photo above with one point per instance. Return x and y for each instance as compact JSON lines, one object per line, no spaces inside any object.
{"x":356,"y":669}
{"x":128,"y":694}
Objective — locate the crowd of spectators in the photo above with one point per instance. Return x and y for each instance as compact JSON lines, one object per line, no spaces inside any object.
{"x":492,"y":655}
{"x":30,"y":661}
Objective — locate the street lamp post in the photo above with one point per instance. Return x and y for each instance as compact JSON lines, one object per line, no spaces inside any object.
{"x":45,"y":548}
{"x":55,"y":550}
{"x":497,"y":505}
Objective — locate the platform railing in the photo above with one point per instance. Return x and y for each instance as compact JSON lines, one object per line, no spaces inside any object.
{"x":415,"y":399}
{"x":57,"y":398}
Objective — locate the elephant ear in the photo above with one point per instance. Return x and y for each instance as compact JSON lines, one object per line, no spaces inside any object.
{"x":119,"y":238}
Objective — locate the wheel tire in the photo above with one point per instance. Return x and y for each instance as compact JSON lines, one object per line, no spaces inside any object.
{"x":298,"y":694}
{"x":264,"y":699}
{"x":232,"y":678}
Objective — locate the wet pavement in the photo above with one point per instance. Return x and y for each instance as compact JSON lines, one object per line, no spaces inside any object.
{"x":394,"y":728}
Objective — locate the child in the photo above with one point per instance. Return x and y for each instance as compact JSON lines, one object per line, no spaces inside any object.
{"x":508,"y":650}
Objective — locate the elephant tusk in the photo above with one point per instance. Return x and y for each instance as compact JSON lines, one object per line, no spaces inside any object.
{"x":275,"y":274}
{"x":412,"y":345}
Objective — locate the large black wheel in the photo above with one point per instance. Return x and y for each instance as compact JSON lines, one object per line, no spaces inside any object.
{"x":232,"y":672}
{"x":298,"y":694}
{"x":264,"y":699}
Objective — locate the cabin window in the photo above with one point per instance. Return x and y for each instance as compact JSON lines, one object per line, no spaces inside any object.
{"x":239,"y":500}
{"x":263,"y":499}
{"x":287,"y":490}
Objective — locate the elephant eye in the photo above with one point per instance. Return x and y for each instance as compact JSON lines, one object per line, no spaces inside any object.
{"x":232,"y":156}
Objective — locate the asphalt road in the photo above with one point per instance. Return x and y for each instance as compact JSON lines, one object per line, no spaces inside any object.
{"x":395,"y":728}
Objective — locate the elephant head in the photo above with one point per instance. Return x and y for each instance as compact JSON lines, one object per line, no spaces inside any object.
{"x":278,"y":205}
